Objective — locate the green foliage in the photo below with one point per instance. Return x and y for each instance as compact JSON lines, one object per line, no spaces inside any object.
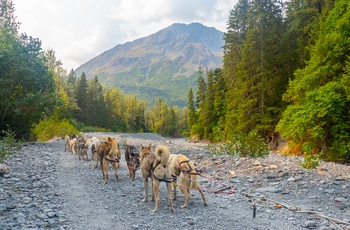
{"x":310,"y":161}
{"x":94,"y":129}
{"x":240,"y":144}
{"x":27,"y":86}
{"x":319,"y":110}
{"x":49,"y":128}
{"x":8,"y":144}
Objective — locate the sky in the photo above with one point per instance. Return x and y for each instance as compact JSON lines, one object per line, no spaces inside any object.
{"x":79,"y":30}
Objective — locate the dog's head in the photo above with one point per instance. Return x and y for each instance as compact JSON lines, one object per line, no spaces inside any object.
{"x":145,"y":151}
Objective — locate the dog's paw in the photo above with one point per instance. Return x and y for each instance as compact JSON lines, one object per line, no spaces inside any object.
{"x":155,"y":210}
{"x":205,"y":204}
{"x":144,"y":200}
{"x":183,"y":206}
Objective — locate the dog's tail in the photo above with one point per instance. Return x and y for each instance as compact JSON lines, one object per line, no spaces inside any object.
{"x":163,"y":154}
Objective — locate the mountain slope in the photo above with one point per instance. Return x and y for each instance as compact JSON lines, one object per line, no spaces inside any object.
{"x":163,"y":64}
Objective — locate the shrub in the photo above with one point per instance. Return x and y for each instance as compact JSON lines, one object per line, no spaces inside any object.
{"x":51,"y":127}
{"x":240,"y":144}
{"x":311,"y":160}
{"x":8,"y":144}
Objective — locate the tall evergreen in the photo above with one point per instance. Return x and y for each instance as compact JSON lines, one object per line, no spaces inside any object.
{"x":82,"y":98}
{"x":192,"y":118}
{"x":95,"y":107}
{"x":202,"y":88}
{"x":220,"y":91}
{"x":256,"y":79}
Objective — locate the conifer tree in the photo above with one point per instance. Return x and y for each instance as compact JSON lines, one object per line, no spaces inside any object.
{"x":255,"y":80}
{"x":82,"y":99}
{"x":192,"y":117}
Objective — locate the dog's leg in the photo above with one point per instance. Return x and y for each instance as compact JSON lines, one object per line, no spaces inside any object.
{"x":114,"y":165}
{"x":169,"y":197}
{"x":152,"y":191}
{"x":187,"y":195}
{"x":105,"y":169}
{"x":174,"y":197}
{"x":132,"y":175}
{"x":103,"y":172}
{"x":155,"y":186}
{"x":145,"y":184}
{"x":203,"y":197}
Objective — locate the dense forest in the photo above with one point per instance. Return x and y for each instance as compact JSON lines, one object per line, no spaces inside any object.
{"x":285,"y":77}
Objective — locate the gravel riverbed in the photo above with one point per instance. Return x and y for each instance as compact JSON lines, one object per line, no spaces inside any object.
{"x":48,"y":188}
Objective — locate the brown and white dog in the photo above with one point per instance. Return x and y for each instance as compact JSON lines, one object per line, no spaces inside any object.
{"x":83,"y":145}
{"x":73,"y":145}
{"x":155,"y":166}
{"x":183,"y":168}
{"x":132,"y":158}
{"x":109,"y":152}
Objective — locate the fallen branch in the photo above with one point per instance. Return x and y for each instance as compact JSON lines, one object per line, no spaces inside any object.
{"x":296,"y":209}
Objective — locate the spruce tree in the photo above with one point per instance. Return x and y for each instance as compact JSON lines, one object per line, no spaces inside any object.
{"x":82,"y":98}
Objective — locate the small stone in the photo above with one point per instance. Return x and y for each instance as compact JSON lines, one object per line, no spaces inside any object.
{"x":37,"y":185}
{"x":310,"y":224}
{"x":273,"y":167}
{"x":4,"y":169}
{"x":340,"y":178}
{"x":259,"y":167}
{"x":330,"y":191}
{"x":291,"y":179}
{"x":340,"y":199}
{"x":256,"y":163}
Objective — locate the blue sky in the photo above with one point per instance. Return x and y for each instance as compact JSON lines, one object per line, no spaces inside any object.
{"x":79,"y":30}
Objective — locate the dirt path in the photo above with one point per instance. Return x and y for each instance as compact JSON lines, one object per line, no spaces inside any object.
{"x":73,"y":195}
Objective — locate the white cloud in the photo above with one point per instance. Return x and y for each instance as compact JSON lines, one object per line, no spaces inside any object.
{"x":79,"y":30}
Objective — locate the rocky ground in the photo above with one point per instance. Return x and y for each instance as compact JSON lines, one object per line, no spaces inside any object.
{"x":48,"y":188}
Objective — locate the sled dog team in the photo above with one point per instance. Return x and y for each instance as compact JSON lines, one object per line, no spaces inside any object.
{"x":160,"y":166}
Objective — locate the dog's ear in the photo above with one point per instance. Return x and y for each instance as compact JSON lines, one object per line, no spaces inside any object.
{"x":149,"y":147}
{"x":109,"y":139}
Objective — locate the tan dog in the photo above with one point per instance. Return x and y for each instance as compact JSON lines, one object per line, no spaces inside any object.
{"x":155,"y":167}
{"x":95,"y":143}
{"x":109,"y":151}
{"x":183,"y":168}
{"x":73,"y":145}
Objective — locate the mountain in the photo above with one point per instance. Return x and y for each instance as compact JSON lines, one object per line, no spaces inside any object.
{"x":162,"y":64}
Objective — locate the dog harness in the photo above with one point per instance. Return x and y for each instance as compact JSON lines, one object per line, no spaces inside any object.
{"x":190,"y":171}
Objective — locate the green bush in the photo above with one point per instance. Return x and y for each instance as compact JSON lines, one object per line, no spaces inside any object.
{"x":240,"y":144}
{"x":51,"y":127}
{"x":8,"y":144}
{"x":311,"y":160}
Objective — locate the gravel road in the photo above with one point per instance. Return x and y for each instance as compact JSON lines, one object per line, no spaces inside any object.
{"x":48,"y":188}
